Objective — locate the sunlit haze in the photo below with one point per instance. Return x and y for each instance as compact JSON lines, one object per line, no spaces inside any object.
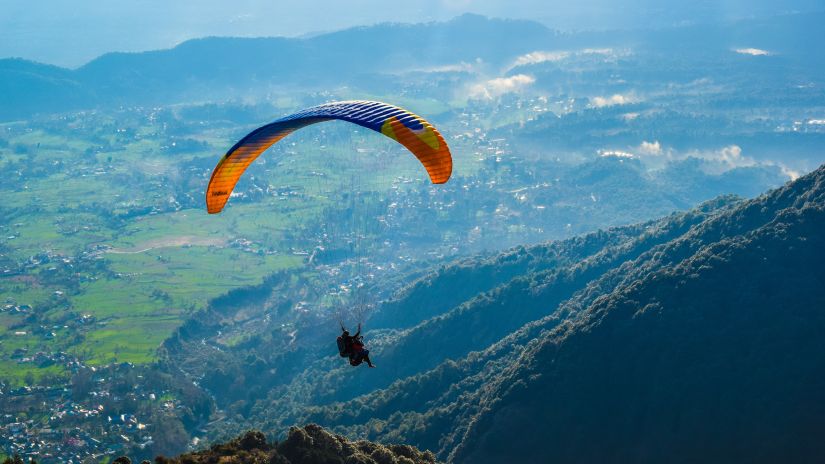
{"x":70,"y":33}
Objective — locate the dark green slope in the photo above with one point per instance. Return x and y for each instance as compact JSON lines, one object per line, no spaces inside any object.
{"x":452,"y":285}
{"x":715,"y":356}
{"x":557,"y":272}
{"x":494,"y":313}
{"x":677,"y":336}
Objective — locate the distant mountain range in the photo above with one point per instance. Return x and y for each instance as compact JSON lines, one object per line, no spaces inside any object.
{"x":697,"y":337}
{"x":218,"y":68}
{"x":223,"y":67}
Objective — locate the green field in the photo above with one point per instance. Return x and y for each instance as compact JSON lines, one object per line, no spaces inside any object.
{"x":107,"y":242}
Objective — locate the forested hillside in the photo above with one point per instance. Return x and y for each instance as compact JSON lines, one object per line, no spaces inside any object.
{"x":715,"y":351}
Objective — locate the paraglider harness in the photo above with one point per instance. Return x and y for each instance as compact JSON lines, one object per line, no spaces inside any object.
{"x":351,"y":347}
{"x":343,"y":349}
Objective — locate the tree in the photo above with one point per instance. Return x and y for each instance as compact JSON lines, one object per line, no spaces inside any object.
{"x":169,"y":434}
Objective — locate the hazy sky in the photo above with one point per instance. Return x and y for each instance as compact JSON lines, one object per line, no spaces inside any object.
{"x":72,"y":32}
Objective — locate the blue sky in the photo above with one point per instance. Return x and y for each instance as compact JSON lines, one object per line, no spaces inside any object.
{"x":72,"y":32}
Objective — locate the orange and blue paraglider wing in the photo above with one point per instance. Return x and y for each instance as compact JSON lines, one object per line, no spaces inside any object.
{"x":408,"y":129}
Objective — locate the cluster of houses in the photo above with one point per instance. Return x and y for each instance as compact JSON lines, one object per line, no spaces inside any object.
{"x":70,"y":431}
{"x":12,"y":308}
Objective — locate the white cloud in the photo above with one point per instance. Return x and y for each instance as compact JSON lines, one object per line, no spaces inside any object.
{"x":598,"y":51}
{"x":500,"y":86}
{"x":651,"y":152}
{"x":552,"y":56}
{"x":656,"y":156}
{"x":752,"y":51}
{"x":791,"y":173}
{"x":650,"y":148}
{"x":458,"y":67}
{"x":539,"y":57}
{"x":455,"y":67}
{"x":723,"y":159}
{"x":730,"y":156}
{"x":615,"y":154}
{"x":615,"y":99}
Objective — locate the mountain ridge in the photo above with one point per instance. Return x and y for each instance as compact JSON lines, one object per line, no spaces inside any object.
{"x":232,"y":67}
{"x":362,"y":57}
{"x":710,"y":258}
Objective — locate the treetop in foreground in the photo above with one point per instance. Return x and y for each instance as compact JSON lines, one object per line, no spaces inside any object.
{"x":310,"y":444}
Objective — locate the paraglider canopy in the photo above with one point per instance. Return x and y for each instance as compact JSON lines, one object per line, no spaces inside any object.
{"x":408,"y":129}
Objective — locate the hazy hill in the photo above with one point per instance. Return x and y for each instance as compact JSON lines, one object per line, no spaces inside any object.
{"x":26,"y":87}
{"x":231,"y":67}
{"x":371,"y":59}
{"x":696,"y":337}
